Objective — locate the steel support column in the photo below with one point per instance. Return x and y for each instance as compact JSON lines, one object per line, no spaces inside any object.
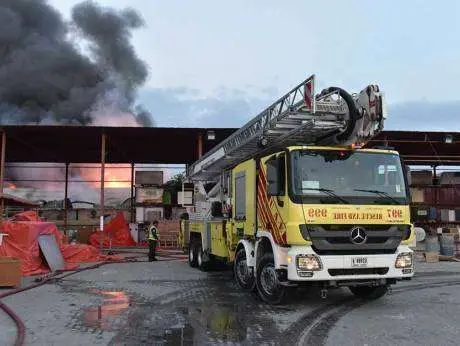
{"x":2,"y":174}
{"x":66,"y":194}
{"x":435,"y":175}
{"x":435,"y":182}
{"x":102,"y":206}
{"x":132,"y":195}
{"x":200,"y":145}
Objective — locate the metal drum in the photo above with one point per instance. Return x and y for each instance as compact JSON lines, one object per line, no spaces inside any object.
{"x":431,"y":244}
{"x":457,"y":248}
{"x":447,"y":245}
{"x":420,"y":234}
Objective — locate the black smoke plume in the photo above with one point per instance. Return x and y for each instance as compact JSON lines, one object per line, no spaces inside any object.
{"x":45,"y":78}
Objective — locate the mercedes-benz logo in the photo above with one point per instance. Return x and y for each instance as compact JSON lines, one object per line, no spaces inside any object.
{"x":358,"y":236}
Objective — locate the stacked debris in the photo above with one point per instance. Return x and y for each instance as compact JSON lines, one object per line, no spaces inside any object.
{"x":116,"y":234}
{"x":41,"y":247}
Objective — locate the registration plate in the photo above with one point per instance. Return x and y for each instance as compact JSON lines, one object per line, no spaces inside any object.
{"x":359,"y":262}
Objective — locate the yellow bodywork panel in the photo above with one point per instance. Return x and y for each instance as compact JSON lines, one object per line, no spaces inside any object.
{"x":318,"y":214}
{"x":244,"y":198}
{"x":197,"y":226}
{"x":232,"y":239}
{"x":351,"y":214}
{"x":218,"y":244}
{"x":181,"y":236}
{"x":219,"y":239}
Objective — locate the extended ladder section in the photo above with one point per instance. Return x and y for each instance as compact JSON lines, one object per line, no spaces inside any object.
{"x":300,"y":117}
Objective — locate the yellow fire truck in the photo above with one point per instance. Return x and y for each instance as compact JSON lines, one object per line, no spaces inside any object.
{"x":294,"y":198}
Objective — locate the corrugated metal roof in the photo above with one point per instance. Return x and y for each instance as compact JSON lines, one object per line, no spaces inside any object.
{"x":422,"y":147}
{"x":82,"y":144}
{"x":11,"y":200}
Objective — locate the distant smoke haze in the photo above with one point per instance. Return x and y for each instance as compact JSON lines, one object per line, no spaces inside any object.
{"x":46,"y":78}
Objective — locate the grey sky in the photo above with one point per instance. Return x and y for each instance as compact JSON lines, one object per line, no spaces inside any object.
{"x":220,"y":62}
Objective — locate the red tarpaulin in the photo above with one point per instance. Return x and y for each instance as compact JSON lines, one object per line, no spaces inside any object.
{"x":118,"y":230}
{"x":22,"y":242}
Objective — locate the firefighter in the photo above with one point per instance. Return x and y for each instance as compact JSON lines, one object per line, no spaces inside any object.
{"x":153,"y":238}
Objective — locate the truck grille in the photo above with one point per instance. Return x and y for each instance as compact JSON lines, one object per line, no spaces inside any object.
{"x":338,"y":239}
{"x":359,"y":271}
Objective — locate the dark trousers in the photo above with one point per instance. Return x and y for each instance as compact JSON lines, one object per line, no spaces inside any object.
{"x":152,"y":249}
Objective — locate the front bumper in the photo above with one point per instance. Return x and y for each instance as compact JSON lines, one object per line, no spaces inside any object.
{"x":339,"y":267}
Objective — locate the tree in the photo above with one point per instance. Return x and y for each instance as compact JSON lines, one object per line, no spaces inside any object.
{"x":175,"y":183}
{"x":173,"y":186}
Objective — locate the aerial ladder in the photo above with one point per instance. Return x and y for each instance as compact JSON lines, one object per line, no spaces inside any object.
{"x":300,"y":117}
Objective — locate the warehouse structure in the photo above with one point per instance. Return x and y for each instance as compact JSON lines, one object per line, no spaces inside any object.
{"x":132,"y":145}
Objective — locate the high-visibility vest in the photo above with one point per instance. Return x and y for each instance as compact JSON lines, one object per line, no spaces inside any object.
{"x":153,"y":233}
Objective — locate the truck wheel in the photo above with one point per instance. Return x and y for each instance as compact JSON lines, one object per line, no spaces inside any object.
{"x":244,"y":275}
{"x":369,"y":292}
{"x":192,"y":255}
{"x":268,"y":285}
{"x":203,"y":265}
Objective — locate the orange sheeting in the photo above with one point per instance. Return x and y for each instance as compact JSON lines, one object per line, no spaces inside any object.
{"x":22,"y":242}
{"x":78,"y":253}
{"x":26,"y":216}
{"x":118,"y":230}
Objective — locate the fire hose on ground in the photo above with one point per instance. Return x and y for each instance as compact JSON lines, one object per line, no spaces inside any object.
{"x":21,"y":330}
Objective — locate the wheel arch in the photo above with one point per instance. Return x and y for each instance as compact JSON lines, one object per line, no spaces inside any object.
{"x":250,"y":251}
{"x":266,"y":244}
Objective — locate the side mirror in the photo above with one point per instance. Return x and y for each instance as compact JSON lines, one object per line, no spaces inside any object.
{"x":275,"y":181}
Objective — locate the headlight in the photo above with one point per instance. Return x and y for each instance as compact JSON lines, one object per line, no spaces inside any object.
{"x":308,"y":262}
{"x":404,"y":260}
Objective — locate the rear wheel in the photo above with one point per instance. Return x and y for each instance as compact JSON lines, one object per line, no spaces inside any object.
{"x":202,"y":264}
{"x":192,"y":255}
{"x":268,"y":286}
{"x":369,"y":292}
{"x":244,"y":275}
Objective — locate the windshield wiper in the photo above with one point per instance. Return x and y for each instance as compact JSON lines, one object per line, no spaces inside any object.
{"x":381,"y":193}
{"x":326,"y":191}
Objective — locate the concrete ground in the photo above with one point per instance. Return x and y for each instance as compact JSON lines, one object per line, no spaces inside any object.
{"x":167,"y":302}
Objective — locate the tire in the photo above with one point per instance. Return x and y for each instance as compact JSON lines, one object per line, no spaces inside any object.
{"x":268,"y":286}
{"x":192,"y":255}
{"x":369,"y":292}
{"x":202,"y":265}
{"x":244,"y":276}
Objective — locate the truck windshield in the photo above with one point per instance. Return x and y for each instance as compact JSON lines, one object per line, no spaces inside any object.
{"x":345,"y":176}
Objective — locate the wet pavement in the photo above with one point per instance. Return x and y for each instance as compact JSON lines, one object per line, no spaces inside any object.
{"x":168,"y":303}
